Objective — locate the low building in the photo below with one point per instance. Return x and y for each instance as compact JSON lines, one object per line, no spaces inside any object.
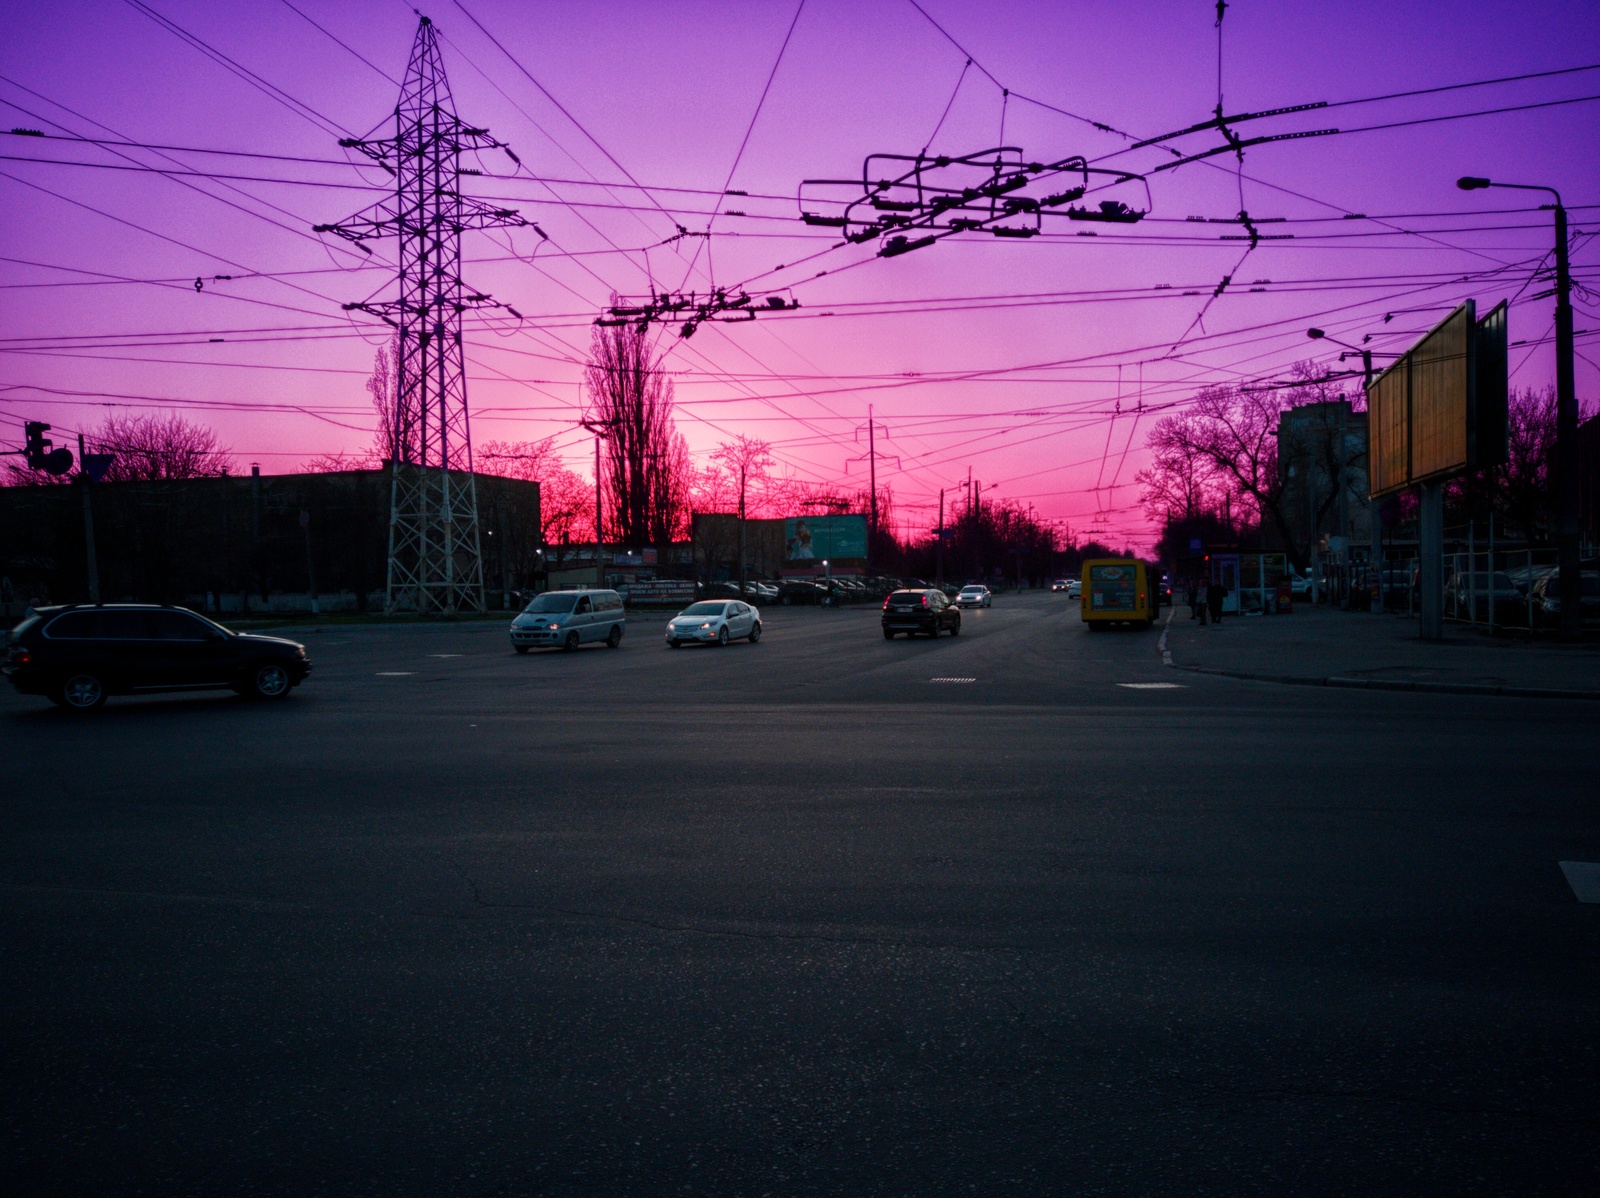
{"x":242,"y":543}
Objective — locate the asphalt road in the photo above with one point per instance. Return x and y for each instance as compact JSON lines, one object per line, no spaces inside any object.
{"x":797,"y":918}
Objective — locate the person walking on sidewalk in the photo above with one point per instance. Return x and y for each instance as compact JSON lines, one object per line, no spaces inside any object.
{"x":1215,"y":594}
{"x":1198,"y":601}
{"x":1194,"y":598}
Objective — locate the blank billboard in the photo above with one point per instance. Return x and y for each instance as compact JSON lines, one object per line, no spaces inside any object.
{"x":1440,"y":410}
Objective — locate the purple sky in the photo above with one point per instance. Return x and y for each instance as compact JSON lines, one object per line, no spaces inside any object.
{"x":669,"y":91}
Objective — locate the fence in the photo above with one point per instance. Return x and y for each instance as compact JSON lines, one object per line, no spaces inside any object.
{"x":1483,"y":584}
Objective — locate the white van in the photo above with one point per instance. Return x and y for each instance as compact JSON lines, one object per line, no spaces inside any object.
{"x":569,"y":619}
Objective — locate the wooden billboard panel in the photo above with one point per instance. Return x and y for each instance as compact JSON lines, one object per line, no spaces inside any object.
{"x":1441,"y":387}
{"x":1440,"y":410}
{"x":1389,"y":432}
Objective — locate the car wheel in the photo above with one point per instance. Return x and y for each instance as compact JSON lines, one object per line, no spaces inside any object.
{"x":614,"y":638}
{"x":674,"y":644}
{"x":955,"y":629}
{"x":888,"y":634}
{"x":268,"y":680}
{"x":722,"y":637}
{"x":755,"y":632}
{"x":80,"y":692}
{"x":786,"y":600}
{"x":571,"y":643}
{"x":520,"y":648}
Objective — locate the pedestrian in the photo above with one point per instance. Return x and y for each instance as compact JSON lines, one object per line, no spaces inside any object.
{"x":1194,"y":598}
{"x":1215,"y":594}
{"x":1200,"y":601}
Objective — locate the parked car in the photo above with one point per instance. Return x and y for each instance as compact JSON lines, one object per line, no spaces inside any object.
{"x":1547,"y":598}
{"x":800,"y":591}
{"x":714,"y":622}
{"x":78,"y":654}
{"x":567,"y":619}
{"x":925,"y":610}
{"x":974,"y":596}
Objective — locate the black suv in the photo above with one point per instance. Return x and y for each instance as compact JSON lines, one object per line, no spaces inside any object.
{"x":927,"y":611}
{"x":77,"y":655}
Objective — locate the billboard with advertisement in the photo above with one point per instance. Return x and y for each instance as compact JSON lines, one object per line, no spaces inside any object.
{"x":819,"y":538}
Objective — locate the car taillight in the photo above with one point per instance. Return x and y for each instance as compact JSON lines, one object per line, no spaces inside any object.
{"x":924,"y":601}
{"x":886,"y":603}
{"x":21,"y":656}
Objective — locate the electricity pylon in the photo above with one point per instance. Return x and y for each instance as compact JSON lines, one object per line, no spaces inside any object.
{"x":435,"y":561}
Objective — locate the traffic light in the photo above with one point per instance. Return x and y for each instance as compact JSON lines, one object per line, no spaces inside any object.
{"x":38,"y":452}
{"x":36,"y":445}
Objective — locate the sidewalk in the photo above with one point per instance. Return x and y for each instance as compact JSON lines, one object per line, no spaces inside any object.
{"x":1319,"y":646}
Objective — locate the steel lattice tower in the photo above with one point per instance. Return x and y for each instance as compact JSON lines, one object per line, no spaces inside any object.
{"x":435,"y":560}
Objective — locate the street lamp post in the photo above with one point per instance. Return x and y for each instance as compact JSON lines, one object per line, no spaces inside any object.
{"x":1566,"y":463}
{"x":1344,"y":465}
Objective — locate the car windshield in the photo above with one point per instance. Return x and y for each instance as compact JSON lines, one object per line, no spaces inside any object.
{"x":907,"y":596}
{"x":553,"y":602}
{"x":972,"y":590}
{"x":704,"y":609}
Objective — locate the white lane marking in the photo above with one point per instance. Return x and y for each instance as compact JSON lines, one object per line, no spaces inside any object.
{"x":952,"y":680}
{"x":394,"y":673}
{"x":444,"y":655}
{"x":1153,"y":686}
{"x":1161,"y":645}
{"x":1584,"y":878}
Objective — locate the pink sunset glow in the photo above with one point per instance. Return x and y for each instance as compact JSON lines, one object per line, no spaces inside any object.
{"x":1036,"y":364}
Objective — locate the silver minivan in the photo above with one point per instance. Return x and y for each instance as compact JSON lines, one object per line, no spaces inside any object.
{"x":568,"y":619}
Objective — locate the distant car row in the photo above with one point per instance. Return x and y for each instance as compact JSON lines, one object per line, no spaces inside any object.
{"x":824,"y":592}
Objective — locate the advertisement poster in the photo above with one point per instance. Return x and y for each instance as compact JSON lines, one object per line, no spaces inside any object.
{"x":1111,"y":587}
{"x":825,"y":538}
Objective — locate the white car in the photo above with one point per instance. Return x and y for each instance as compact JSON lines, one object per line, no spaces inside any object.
{"x":715,"y":622}
{"x":974,"y":596}
{"x":1075,"y":589}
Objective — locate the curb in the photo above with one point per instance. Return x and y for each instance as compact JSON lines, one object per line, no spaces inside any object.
{"x":1384,"y":684}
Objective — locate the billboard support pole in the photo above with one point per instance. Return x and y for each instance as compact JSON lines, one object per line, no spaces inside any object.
{"x":1431,"y":552}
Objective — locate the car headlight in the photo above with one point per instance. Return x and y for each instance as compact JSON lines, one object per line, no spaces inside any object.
{"x":553,"y":627}
{"x":705,"y":626}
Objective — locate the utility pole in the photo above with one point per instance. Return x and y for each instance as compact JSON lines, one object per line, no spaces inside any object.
{"x":1566,"y":455}
{"x":311,"y":561}
{"x":1566,"y":443}
{"x":938,"y":545}
{"x":435,"y":556}
{"x":872,"y":481}
{"x":599,"y":517}
{"x":744,"y":474}
{"x":255,"y":534}
{"x":88,"y":526}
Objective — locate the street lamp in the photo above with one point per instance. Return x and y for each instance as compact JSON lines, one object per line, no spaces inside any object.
{"x":1366,"y":354}
{"x":1566,"y":463}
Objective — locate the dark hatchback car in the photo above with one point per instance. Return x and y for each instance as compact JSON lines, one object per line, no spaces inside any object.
{"x":928,"y":611}
{"x":77,"y":655}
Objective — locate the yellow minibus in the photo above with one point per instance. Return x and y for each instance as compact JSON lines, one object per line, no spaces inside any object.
{"x":1118,"y":590}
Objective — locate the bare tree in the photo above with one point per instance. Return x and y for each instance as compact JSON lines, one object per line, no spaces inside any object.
{"x":747,"y":460}
{"x":149,"y":448}
{"x":647,"y":463}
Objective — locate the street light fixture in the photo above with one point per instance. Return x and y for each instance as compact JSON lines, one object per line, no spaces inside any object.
{"x":1566,"y":463}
